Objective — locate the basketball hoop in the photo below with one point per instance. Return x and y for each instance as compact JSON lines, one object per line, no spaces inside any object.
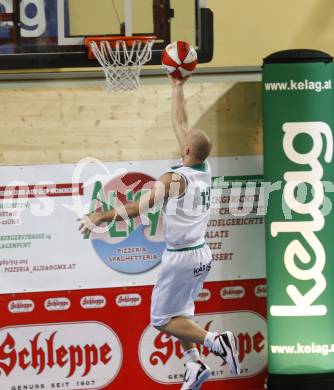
{"x":121,"y":58}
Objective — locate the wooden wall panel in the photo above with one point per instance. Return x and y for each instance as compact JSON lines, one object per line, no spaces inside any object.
{"x":52,"y":125}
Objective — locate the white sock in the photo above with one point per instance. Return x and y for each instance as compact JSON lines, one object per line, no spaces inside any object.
{"x":209,"y":339}
{"x":191,"y":355}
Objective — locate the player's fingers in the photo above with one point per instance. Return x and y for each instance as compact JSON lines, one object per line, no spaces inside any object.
{"x":83,"y":224}
{"x":183,"y":80}
{"x":85,"y":231}
{"x":82,"y":221}
{"x":86,"y":226}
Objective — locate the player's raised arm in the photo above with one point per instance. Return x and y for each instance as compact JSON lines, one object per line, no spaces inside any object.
{"x":168,"y":185}
{"x":179,"y":113}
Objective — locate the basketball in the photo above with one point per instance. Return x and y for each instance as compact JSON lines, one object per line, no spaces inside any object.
{"x":179,"y":59}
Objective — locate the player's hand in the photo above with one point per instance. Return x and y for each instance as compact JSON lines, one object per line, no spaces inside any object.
{"x":177,"y":82}
{"x":89,"y":222}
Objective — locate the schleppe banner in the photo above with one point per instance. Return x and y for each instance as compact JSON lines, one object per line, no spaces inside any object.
{"x":102,"y":339}
{"x":298,"y":163}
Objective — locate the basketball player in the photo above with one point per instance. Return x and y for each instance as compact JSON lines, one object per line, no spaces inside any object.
{"x":184,"y":191}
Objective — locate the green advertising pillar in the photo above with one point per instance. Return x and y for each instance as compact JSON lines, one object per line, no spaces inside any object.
{"x":298,"y":118}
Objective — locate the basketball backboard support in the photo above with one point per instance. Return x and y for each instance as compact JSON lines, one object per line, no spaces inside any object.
{"x":37,"y":34}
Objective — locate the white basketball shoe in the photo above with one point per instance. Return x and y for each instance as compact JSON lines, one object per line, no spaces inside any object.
{"x":224,"y":345}
{"x":196,"y":374}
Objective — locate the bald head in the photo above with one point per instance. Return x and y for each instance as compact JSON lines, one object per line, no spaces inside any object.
{"x":198,"y":143}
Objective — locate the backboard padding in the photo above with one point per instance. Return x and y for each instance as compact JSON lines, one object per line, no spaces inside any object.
{"x":50,"y":33}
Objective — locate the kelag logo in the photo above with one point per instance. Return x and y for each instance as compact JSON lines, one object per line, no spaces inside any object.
{"x":131,"y":246}
{"x":304,"y":302}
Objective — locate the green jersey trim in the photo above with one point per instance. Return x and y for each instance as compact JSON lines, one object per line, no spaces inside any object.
{"x":190,"y":248}
{"x":199,"y":167}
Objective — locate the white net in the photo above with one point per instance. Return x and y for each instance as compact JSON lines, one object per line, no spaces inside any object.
{"x":122,"y":63}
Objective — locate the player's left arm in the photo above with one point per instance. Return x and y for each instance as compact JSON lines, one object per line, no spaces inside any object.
{"x":168,"y":185}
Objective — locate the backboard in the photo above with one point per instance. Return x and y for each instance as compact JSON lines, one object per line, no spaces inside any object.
{"x":50,"y":33}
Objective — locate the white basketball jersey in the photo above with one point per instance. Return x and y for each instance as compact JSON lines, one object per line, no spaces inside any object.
{"x":185,"y":218}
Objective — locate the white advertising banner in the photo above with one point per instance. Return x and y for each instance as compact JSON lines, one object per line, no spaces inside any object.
{"x":41,"y":248}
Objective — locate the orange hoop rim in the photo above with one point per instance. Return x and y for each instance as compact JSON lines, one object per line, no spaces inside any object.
{"x":129,"y":41}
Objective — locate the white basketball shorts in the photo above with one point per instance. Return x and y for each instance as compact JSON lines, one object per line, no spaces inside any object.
{"x":180,"y":280}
